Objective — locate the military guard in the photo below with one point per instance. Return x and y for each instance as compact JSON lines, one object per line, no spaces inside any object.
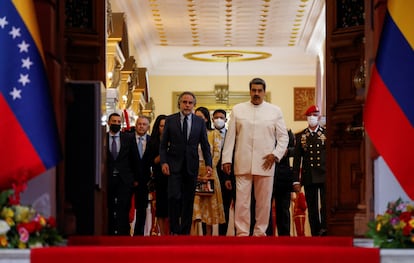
{"x":309,"y":170}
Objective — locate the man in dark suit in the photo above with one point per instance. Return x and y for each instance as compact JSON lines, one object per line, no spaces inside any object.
{"x":183,"y":133}
{"x":143,"y":175}
{"x":309,"y":170}
{"x":122,"y":166}
{"x":282,"y":189}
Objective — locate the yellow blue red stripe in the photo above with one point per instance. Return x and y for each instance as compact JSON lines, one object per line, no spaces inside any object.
{"x":389,"y":111}
{"x":395,"y":64}
{"x":401,"y":12}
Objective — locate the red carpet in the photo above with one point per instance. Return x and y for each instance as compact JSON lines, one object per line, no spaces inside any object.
{"x":180,"y":249}
{"x":200,"y":253}
{"x":212,"y":240}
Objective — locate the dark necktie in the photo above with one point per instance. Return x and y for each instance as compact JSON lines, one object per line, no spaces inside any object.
{"x":185,"y":128}
{"x":114,"y":151}
{"x":140,"y":148}
{"x":223,"y":135}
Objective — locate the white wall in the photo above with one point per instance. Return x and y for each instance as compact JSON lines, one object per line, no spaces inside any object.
{"x":41,"y":193}
{"x":386,"y":187}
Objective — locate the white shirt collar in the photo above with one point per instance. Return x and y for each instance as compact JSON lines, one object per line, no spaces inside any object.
{"x":182,"y":116}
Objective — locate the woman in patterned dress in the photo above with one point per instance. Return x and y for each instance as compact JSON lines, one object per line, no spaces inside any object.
{"x":208,"y":209}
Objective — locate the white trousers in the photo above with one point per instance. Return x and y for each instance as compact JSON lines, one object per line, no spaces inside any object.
{"x":263,"y":188}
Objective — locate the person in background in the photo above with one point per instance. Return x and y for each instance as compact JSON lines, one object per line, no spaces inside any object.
{"x":309,"y":170}
{"x":122,"y":166}
{"x":253,"y":130}
{"x":299,"y":212}
{"x":161,"y":181}
{"x":282,"y":190}
{"x":142,"y":138}
{"x":227,"y":182}
{"x":209,"y":208}
{"x":179,"y":156}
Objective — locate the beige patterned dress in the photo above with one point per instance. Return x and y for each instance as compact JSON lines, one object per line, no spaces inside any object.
{"x":209,"y":209}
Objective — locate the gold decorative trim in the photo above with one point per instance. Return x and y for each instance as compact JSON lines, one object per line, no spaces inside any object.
{"x":225,"y":55}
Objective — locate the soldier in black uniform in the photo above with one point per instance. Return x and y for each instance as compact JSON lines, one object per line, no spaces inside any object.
{"x":309,"y":170}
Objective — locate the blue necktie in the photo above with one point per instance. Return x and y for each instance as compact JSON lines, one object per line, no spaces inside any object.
{"x":114,"y":150}
{"x":185,"y":128}
{"x":140,"y":148}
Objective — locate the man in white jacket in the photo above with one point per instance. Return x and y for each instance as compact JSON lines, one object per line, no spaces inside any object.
{"x":253,"y":130}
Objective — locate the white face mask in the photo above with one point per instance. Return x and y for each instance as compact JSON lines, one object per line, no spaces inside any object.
{"x":313,"y":121}
{"x":219,"y":123}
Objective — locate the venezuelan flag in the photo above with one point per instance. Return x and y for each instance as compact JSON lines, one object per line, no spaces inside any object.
{"x":28,"y":135}
{"x":389,"y":108}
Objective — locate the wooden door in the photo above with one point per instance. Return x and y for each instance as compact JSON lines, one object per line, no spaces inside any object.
{"x":347,"y":182}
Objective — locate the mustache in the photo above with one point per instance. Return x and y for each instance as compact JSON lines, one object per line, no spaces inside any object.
{"x":256,"y":97}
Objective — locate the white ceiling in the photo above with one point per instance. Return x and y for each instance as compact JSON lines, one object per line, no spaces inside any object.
{"x":160,"y":32}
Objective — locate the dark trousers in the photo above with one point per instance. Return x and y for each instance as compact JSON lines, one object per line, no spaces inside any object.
{"x":282,"y":203}
{"x":119,"y":203}
{"x":316,"y":215}
{"x":228,"y":196}
{"x":282,"y":206}
{"x":181,"y":194}
{"x":141,"y":204}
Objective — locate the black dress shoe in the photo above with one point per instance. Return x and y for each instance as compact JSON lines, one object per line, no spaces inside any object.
{"x":323,"y":232}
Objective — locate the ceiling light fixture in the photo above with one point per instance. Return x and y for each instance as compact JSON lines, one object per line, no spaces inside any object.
{"x":226,"y":56}
{"x":222,"y":95}
{"x":213,"y":55}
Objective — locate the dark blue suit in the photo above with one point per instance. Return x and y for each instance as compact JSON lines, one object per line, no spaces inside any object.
{"x":121,"y":172}
{"x":183,"y":160}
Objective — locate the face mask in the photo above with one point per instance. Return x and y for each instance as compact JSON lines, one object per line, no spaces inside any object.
{"x":219,"y":123}
{"x":312,"y":121}
{"x":115,"y":128}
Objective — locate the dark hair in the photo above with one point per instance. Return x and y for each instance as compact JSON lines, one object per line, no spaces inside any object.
{"x":154,"y":143}
{"x":186,"y":93}
{"x":155,"y":133}
{"x":220,"y":111}
{"x":257,"y":81}
{"x":206,"y":114}
{"x":113,"y":114}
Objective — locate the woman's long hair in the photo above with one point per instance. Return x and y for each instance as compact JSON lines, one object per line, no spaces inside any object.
{"x":206,"y":114}
{"x":155,"y":134}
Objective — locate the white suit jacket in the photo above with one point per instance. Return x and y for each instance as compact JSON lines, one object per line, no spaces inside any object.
{"x":252,"y":133}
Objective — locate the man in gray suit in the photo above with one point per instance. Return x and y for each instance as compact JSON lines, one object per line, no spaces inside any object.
{"x":183,"y":132}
